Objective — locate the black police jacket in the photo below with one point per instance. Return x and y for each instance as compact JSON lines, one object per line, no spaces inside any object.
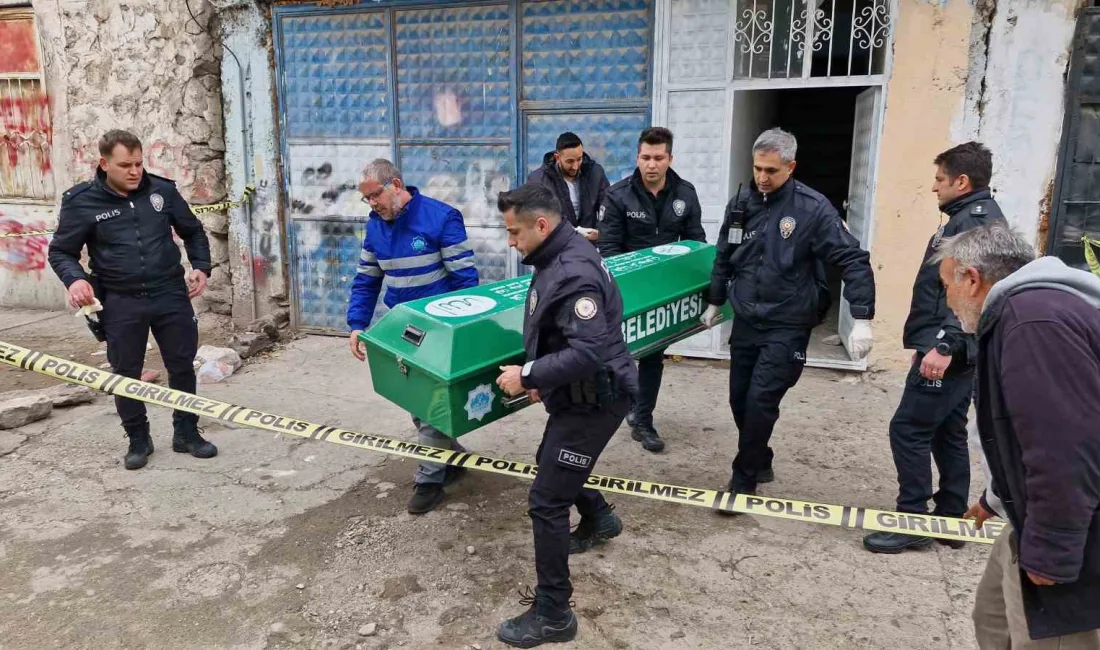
{"x":593,"y":188}
{"x":129,"y":238}
{"x":930,"y":320}
{"x":572,"y":326}
{"x":771,"y":252}
{"x":628,"y":219}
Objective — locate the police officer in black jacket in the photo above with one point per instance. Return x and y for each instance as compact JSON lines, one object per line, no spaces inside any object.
{"x":577,"y":180}
{"x":125,"y":216}
{"x":930,"y":422}
{"x":579,"y":367}
{"x":654,"y":206}
{"x":772,"y":248}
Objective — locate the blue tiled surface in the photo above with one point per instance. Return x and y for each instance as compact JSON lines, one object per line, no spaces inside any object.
{"x":450,"y":59}
{"x":610,"y":138}
{"x":335,"y":75}
{"x":585,"y":49}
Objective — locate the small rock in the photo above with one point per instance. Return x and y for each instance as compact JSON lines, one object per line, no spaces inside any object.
{"x":385,"y":487}
{"x":277,"y":627}
{"x":833,"y":340}
{"x":368,"y":630}
{"x":248,"y":344}
{"x":470,"y":550}
{"x":445,"y":545}
{"x":475,"y":646}
{"x":299,"y":586}
{"x":678,"y":634}
{"x":381,"y":495}
{"x":401,"y":586}
{"x":219,"y":355}
{"x":458,"y":506}
{"x":16,"y":412}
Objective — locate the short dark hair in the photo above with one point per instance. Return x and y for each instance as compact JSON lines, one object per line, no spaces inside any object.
{"x":116,"y":137}
{"x":529,"y":201}
{"x":568,"y":140}
{"x":970,"y":158}
{"x":655,"y":135}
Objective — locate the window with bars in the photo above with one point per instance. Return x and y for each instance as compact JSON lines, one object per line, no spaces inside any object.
{"x":810,"y":38}
{"x":26,"y":133}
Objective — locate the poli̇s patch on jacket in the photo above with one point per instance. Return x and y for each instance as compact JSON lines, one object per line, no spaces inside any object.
{"x":787,"y":226}
{"x":157,"y":201}
{"x":678,"y":206}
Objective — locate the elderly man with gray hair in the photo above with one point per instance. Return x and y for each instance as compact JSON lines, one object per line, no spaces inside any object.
{"x":1038,"y":401}
{"x":416,"y":247}
{"x":775,"y":242}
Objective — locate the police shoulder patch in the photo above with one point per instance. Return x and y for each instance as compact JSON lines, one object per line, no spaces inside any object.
{"x":585,"y":308}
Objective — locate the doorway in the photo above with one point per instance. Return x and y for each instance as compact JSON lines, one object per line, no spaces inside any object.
{"x":837,"y":132}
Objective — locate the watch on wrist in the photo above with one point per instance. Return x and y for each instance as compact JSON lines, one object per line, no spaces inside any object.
{"x":944,"y":348}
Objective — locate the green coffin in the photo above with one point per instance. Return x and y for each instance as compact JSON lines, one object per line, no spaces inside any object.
{"x":438,"y":358}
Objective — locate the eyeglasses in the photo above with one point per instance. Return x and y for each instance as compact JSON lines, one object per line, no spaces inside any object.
{"x":373,"y":196}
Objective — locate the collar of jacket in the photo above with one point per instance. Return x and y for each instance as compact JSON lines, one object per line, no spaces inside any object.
{"x":541,"y":257}
{"x":956,"y":206}
{"x":672,"y":179}
{"x":782,"y":193}
{"x":100,"y":182}
{"x":551,"y":165}
{"x":414,"y":200}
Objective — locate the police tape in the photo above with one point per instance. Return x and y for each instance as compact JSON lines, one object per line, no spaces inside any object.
{"x":844,"y":516}
{"x":27,"y":233}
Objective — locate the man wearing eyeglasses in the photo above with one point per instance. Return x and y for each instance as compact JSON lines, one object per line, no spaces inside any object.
{"x":416,"y":247}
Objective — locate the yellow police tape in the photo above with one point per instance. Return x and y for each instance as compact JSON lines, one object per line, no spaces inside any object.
{"x":196,"y":209}
{"x":844,"y":516}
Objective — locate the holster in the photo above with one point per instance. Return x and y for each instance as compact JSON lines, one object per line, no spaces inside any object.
{"x":601,"y":390}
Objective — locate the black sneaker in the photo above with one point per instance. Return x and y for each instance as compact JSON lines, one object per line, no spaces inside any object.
{"x":541,"y":623}
{"x":765,"y":475}
{"x":141,"y":447}
{"x":426,"y":496}
{"x":598,"y":529}
{"x":735,"y":487}
{"x":893,"y":543}
{"x":648,"y":437}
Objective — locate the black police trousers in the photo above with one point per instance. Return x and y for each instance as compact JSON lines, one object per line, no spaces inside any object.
{"x":571,"y":444}
{"x":764,"y":364}
{"x":127,"y":321}
{"x":650,"y":371}
{"x":930,"y":424}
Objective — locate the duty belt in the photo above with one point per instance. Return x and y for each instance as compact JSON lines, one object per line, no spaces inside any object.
{"x":600,"y":390}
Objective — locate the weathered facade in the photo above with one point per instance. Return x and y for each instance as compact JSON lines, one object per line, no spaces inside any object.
{"x":77,"y":69}
{"x":467,"y":97}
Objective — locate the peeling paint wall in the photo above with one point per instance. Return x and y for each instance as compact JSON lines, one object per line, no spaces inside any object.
{"x":255,"y":230}
{"x":1023,"y":102}
{"x":145,"y":66}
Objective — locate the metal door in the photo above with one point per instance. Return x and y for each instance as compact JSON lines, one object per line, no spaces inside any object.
{"x":861,"y":190}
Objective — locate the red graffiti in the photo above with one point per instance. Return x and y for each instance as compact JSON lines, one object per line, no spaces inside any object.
{"x":22,"y":254}
{"x":17,"y":51}
{"x":26,"y":127}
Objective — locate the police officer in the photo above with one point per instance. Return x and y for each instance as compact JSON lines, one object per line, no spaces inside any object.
{"x":930,"y":422}
{"x":416,"y":247}
{"x":772,"y":246}
{"x":653,"y":206}
{"x":125,"y":216}
{"x":579,"y":367}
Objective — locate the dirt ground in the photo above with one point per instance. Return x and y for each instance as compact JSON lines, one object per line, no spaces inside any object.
{"x":286,"y":543}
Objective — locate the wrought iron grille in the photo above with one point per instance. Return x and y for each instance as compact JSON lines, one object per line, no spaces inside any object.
{"x":810,"y":38}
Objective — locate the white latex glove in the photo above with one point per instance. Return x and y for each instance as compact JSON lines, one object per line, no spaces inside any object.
{"x":710,"y":316}
{"x":588,"y":233}
{"x":861,"y":339}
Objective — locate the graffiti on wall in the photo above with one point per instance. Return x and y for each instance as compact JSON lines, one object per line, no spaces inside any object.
{"x":162,"y":159}
{"x":22,"y":254}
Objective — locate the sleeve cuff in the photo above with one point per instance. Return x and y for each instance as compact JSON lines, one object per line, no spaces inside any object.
{"x":525,"y":376}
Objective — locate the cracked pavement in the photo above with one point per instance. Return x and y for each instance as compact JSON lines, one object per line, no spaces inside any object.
{"x":283,"y":542}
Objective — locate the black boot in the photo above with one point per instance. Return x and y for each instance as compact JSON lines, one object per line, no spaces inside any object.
{"x":597,"y":529}
{"x":647,"y":435}
{"x":141,"y":446}
{"x":893,"y":543}
{"x":737,"y":485}
{"x":543,"y":622}
{"x":186,"y":438}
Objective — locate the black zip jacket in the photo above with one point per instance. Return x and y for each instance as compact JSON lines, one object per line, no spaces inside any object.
{"x":592,"y":186}
{"x":572,"y":327}
{"x":929,"y":314}
{"x":129,"y":238}
{"x":774,"y":278}
{"x":630,"y":218}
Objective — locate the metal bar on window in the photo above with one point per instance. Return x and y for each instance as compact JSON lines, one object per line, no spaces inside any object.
{"x":829,"y":66}
{"x":771,"y":41}
{"x":790,"y":39}
{"x":752,"y":37}
{"x":852,"y":34}
{"x":808,"y":43}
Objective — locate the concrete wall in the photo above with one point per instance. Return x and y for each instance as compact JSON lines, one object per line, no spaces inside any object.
{"x":991,"y":71}
{"x":145,"y":66}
